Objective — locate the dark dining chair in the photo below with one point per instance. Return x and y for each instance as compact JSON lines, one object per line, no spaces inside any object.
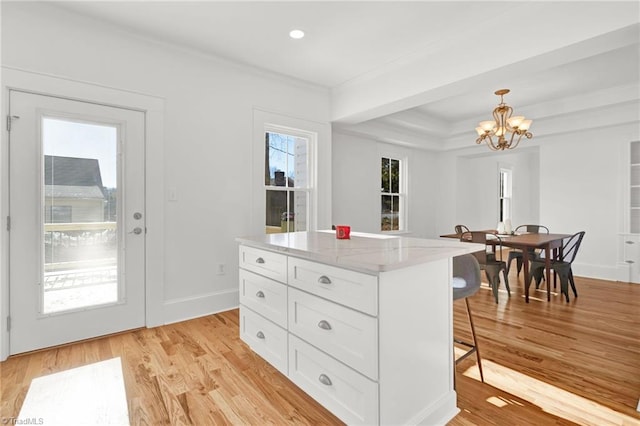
{"x":488,"y":261}
{"x":461,"y":229}
{"x":561,"y":266}
{"x":466,"y":282}
{"x":517,"y":254}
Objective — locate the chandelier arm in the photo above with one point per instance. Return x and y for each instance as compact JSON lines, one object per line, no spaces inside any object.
{"x":507,"y":116}
{"x":491,"y":145}
{"x":526,"y":134}
{"x":512,"y":145}
{"x":486,"y":137}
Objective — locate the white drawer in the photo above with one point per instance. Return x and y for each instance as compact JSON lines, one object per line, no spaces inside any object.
{"x":265,"y":338}
{"x":263,"y":262}
{"x":265,"y":296}
{"x":349,"y":288}
{"x":348,"y":335}
{"x":349,"y":395}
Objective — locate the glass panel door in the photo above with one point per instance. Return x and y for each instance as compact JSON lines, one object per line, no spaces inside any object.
{"x":77,"y":237}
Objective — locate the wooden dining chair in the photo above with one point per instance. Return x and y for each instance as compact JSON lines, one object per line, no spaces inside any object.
{"x":561,"y":266}
{"x":490,"y":261}
{"x":517,"y":254}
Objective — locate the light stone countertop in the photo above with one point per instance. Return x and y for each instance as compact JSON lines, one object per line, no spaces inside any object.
{"x":369,"y":253}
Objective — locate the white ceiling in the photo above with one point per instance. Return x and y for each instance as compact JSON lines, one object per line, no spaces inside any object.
{"x":405,"y":72}
{"x":343,"y":40}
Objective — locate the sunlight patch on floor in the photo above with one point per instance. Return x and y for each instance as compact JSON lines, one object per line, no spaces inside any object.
{"x":498,"y":402}
{"x":93,"y":394}
{"x":549,"y":398}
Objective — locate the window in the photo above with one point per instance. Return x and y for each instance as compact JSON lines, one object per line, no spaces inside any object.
{"x":287,"y":182}
{"x":392,"y":214}
{"x":505,"y":195}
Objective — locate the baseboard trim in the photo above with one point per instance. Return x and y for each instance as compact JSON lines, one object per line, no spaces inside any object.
{"x":187,"y":308}
{"x":600,"y":272}
{"x":438,"y":413}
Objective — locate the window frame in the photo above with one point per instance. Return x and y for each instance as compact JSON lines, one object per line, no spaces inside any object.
{"x":402,"y":193}
{"x":320,"y":161}
{"x":310,"y":189}
{"x":506,"y":195}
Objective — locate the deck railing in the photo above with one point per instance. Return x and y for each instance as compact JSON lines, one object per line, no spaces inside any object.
{"x":70,"y":246}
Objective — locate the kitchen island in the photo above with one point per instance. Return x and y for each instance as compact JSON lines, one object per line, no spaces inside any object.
{"x":363,"y":325}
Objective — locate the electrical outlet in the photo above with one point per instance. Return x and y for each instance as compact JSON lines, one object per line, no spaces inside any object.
{"x":220,"y":269}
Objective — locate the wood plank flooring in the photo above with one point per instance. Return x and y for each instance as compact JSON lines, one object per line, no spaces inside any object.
{"x":545,"y":363}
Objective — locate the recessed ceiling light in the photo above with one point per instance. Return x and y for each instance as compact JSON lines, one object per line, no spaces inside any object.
{"x":297,"y":34}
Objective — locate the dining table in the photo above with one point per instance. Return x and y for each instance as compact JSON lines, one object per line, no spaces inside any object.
{"x":551,"y":244}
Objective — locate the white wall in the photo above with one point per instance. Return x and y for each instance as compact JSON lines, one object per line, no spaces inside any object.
{"x":207,"y":135}
{"x":477,"y":180}
{"x":356,"y":185}
{"x":580,"y":191}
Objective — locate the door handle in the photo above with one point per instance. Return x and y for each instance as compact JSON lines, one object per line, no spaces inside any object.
{"x":137,"y":230}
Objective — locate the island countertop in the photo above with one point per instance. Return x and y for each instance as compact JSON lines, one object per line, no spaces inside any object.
{"x":369,"y":253}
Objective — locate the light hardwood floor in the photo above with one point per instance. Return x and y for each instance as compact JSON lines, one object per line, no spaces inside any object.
{"x":544,"y":364}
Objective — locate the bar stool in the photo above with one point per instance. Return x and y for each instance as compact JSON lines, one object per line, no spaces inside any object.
{"x":466,"y":282}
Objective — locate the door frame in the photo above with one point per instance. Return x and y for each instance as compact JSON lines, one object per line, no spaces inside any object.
{"x":153,"y":109}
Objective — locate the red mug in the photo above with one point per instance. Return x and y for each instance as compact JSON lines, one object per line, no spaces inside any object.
{"x":343,"y":232}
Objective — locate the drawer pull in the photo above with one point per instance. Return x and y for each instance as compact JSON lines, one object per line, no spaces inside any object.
{"x":260,"y":335}
{"x":324,"y":325}
{"x":324,"y":280}
{"x":630,"y":242}
{"x":630,"y":261}
{"x":325,"y":380}
{"x":260,"y":294}
{"x":259,"y":260}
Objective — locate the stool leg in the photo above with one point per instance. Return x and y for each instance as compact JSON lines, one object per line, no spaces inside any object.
{"x":475,"y":341}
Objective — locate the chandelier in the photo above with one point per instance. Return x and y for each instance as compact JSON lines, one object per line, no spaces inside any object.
{"x":507,"y":130}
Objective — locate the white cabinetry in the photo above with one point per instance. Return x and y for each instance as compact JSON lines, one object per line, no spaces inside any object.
{"x":373,"y":348}
{"x":354,"y":289}
{"x":263,"y":304}
{"x":347,"y":394}
{"x":634,"y":188}
{"x":629,"y":240}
